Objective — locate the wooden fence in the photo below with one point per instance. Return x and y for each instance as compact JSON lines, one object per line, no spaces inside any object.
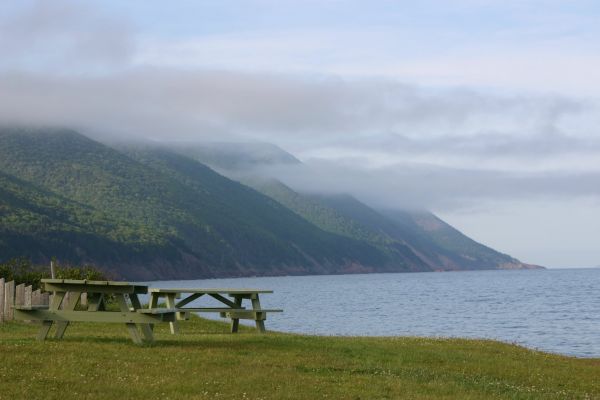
{"x":17,"y":295}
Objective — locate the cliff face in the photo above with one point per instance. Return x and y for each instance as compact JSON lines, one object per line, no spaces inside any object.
{"x":158,"y":213}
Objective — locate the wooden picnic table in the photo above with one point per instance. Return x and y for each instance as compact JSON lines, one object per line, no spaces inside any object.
{"x":126,"y":294}
{"x":233,"y":307}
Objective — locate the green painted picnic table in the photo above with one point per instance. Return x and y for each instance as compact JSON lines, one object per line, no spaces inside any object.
{"x":233,"y":307}
{"x":131,"y":313}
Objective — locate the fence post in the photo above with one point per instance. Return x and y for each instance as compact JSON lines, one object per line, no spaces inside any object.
{"x":45,"y":299}
{"x":28,"y":293}
{"x":9,"y":300}
{"x":20,"y":295}
{"x":1,"y":300}
{"x":36,"y":297}
{"x":52,"y":275}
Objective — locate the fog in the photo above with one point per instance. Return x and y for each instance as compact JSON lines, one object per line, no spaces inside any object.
{"x":456,"y":149}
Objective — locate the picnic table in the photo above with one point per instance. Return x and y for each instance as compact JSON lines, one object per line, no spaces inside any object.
{"x":233,"y":307}
{"x":131,"y":313}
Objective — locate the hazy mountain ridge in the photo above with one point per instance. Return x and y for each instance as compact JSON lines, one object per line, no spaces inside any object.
{"x":200,"y":223}
{"x":400,"y":234}
{"x":152,"y":212}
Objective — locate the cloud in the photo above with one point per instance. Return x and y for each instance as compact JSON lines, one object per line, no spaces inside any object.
{"x":415,"y":186}
{"x":314,"y":110}
{"x":71,"y":64}
{"x":63,"y":36}
{"x":376,"y":138}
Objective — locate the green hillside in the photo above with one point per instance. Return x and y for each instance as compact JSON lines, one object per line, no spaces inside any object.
{"x":439,"y":245}
{"x":419,"y":239}
{"x":146,"y":212}
{"x":414,"y":240}
{"x":153,"y":213}
{"x":335,"y":219}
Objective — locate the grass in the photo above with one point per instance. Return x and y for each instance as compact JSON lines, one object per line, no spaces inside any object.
{"x":206,"y":362}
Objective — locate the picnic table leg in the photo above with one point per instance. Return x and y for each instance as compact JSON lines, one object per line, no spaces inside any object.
{"x":61,"y":326}
{"x":260,"y":324}
{"x":171,"y":304}
{"x":146,"y":329}
{"x":235,"y":322}
{"x":153,"y":303}
{"x":133,"y":331}
{"x":57,"y":298}
{"x":95,"y":301}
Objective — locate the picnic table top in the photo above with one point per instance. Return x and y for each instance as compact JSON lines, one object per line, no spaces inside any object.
{"x":93,"y":286}
{"x":208,"y":291}
{"x":88,"y":282}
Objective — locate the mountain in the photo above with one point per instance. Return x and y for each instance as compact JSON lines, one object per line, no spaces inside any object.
{"x":418,"y":240}
{"x":168,"y":216}
{"x":154,"y":212}
{"x":416,"y":235}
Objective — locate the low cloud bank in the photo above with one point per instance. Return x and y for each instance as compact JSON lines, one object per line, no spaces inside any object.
{"x":377,"y":138}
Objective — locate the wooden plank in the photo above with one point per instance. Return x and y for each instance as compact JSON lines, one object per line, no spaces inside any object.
{"x":259,"y":316}
{"x":62,"y":287}
{"x":235,"y":322}
{"x":20,"y":294}
{"x":207,"y":309}
{"x":153,"y":303}
{"x":95,"y":301}
{"x":208,"y":291}
{"x":189,"y":299}
{"x":97,"y":283}
{"x":157,"y":310}
{"x":71,"y":283}
{"x":65,"y":301}
{"x":57,"y":299}
{"x":69,"y":305}
{"x":2,"y":300}
{"x":31,"y":307}
{"x":45,"y":298}
{"x":118,"y":317}
{"x":28,"y":296}
{"x":170,"y":299}
{"x":146,"y":328}
{"x":36,"y":297}
{"x":131,"y":326}
{"x":9,"y":300}
{"x":247,"y":314}
{"x":226,"y":301}
{"x":51,"y":280}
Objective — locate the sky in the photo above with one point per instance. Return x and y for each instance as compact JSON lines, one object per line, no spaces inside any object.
{"x":485,"y":112}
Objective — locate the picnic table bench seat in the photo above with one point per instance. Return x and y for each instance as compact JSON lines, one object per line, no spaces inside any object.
{"x":157,"y":310}
{"x":31,"y":307}
{"x":256,"y":315}
{"x":234,"y":309}
{"x":228,"y":291}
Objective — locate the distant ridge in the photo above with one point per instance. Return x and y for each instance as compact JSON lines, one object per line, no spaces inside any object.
{"x":148,"y":212}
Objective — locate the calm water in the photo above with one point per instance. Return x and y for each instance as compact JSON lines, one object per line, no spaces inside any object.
{"x":551,"y":310}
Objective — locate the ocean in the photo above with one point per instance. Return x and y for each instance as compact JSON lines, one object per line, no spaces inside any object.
{"x":554,"y":310}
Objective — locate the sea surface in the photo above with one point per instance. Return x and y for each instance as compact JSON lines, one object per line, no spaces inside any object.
{"x":555,"y":310}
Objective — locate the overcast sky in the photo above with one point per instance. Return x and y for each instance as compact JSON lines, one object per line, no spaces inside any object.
{"x":485,"y":112}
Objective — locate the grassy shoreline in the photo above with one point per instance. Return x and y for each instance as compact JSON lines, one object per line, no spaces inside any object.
{"x":205,"y":362}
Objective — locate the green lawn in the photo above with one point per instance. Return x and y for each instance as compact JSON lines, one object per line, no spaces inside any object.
{"x":204,"y":362}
